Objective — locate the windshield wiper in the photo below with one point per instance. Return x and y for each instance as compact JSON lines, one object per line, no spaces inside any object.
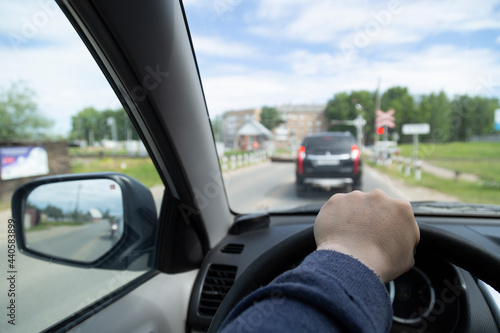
{"x":454,"y":208}
{"x":419,"y":207}
{"x":312,"y":208}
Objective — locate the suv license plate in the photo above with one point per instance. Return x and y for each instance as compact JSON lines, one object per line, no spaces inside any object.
{"x":327,"y":162}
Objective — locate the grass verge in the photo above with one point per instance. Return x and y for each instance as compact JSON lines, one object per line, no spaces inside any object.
{"x":487,"y":170}
{"x":48,"y":225}
{"x":454,"y":151}
{"x":141,"y":169}
{"x":463,"y":190}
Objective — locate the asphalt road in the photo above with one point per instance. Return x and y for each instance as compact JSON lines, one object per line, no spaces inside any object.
{"x":85,"y":242}
{"x":271,"y":186}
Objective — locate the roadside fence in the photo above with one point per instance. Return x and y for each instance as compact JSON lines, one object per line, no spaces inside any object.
{"x":233,"y":162}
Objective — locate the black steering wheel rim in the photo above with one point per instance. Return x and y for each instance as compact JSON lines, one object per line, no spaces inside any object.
{"x":438,"y":242}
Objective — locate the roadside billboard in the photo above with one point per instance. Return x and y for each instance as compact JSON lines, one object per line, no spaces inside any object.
{"x":20,"y":162}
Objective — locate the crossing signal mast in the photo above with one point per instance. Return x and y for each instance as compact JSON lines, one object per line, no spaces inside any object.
{"x":384,"y":120}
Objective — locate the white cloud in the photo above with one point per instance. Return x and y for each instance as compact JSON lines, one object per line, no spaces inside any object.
{"x":324,"y":21}
{"x":315,"y":78}
{"x":66,"y":79}
{"x":304,"y":62}
{"x":279,"y":9}
{"x":219,"y":47}
{"x":240,"y":91}
{"x":34,"y":23}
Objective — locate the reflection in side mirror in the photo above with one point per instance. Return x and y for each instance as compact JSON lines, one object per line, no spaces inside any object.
{"x":78,"y":220}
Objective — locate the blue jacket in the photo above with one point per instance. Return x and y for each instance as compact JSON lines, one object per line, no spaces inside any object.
{"x":328,"y":292}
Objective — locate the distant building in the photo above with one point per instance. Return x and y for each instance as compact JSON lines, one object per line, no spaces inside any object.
{"x":233,"y":121}
{"x":95,"y":214}
{"x":299,"y":120}
{"x":253,"y":136}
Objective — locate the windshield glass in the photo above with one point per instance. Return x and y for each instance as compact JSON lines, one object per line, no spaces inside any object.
{"x":415,"y":82}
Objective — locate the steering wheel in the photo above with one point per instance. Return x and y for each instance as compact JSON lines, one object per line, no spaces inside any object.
{"x":457,"y":250}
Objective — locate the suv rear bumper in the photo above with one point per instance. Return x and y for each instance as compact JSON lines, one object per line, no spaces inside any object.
{"x":328,"y":182}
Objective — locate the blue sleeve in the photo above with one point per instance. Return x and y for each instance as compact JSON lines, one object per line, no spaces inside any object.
{"x":328,"y":292}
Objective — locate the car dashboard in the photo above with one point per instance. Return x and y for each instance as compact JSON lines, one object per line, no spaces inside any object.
{"x":434,"y":296}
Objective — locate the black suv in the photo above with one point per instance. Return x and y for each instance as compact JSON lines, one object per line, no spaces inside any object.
{"x":327,"y":160}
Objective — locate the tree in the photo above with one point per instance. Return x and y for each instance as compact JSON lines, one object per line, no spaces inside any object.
{"x":340,"y":108}
{"x":54,"y":212}
{"x":20,"y":117}
{"x":450,"y":120}
{"x":364,"y":104}
{"x":436,"y":111}
{"x":84,"y":125}
{"x":344,"y":106}
{"x":217,"y":127}
{"x":399,"y":99}
{"x":270,"y":117}
{"x":92,"y":125}
{"x":471,"y":116}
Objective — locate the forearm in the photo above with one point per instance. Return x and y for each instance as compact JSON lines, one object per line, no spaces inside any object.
{"x":329,"y":291}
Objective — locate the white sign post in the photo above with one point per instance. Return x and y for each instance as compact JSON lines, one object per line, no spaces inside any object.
{"x":415,"y":130}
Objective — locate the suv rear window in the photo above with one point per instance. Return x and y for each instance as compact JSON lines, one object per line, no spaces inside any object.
{"x":334,"y":144}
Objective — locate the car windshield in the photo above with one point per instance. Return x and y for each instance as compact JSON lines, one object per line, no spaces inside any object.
{"x":415,"y":82}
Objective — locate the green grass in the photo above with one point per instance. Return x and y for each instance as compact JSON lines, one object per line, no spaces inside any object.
{"x":48,"y":225}
{"x":75,"y":151}
{"x":235,"y":152}
{"x":141,"y":169}
{"x":454,"y":150}
{"x":463,"y":190}
{"x":479,"y":158}
{"x":486,"y":170}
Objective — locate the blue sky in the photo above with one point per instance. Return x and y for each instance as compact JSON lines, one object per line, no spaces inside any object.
{"x":255,"y":53}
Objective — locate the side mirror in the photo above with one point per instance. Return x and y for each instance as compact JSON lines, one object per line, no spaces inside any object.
{"x":95,"y":220}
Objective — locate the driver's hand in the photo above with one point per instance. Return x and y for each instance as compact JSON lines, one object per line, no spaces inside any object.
{"x":379,"y":231}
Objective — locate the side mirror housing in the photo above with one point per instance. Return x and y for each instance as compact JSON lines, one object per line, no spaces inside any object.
{"x":93,"y":220}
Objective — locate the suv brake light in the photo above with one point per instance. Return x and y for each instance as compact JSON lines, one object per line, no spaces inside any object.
{"x":301,"y":155}
{"x":355,"y":154}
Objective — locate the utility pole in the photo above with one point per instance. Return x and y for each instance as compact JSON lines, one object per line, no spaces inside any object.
{"x":360,"y":122}
{"x":112,"y":123}
{"x":377,"y":107}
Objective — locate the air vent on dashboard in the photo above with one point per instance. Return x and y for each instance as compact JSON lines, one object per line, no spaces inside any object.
{"x":218,"y":281}
{"x":232,"y":248}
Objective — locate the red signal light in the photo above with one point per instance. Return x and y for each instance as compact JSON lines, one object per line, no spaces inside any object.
{"x":380,"y":130}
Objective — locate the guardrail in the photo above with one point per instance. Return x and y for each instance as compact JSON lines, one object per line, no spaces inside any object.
{"x":233,"y":162}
